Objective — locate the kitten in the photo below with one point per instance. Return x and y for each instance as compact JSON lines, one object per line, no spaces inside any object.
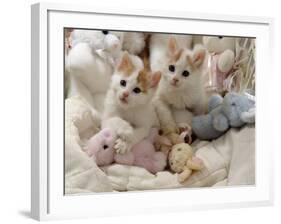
{"x":180,"y":93}
{"x":128,"y":108}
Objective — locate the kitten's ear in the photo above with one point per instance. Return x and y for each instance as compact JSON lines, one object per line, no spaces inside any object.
{"x":126,"y":66}
{"x":173,"y":50}
{"x":197,"y":58}
{"x":155,"y":78}
{"x":172,"y":46}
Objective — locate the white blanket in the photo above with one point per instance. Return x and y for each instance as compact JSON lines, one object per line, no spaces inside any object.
{"x":229,"y":160}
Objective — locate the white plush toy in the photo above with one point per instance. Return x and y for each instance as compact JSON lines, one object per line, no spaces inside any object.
{"x":101,"y":42}
{"x":134,"y":42}
{"x":110,"y":41}
{"x":89,"y":74}
{"x":221,"y":59}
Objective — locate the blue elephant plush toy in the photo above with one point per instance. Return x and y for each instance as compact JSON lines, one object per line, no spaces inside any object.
{"x":234,"y":110}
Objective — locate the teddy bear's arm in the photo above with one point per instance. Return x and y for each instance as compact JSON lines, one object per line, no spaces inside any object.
{"x":195,"y":163}
{"x":226,"y":60}
{"x":184,"y":175}
{"x":220,"y":122}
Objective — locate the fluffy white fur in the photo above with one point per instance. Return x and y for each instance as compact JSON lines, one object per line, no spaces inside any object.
{"x":97,"y":40}
{"x":159,"y":48}
{"x":177,"y":102}
{"x":88,"y":73}
{"x":133,"y":119}
{"x":133,"y":42}
{"x":218,"y":44}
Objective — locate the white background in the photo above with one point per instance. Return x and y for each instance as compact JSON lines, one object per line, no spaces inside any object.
{"x":15,"y":110}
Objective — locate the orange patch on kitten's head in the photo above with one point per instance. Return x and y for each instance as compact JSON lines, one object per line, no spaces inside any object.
{"x":126,"y":66}
{"x":147,"y":80}
{"x":143,"y":80}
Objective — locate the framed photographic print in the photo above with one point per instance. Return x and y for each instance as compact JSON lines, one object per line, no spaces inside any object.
{"x":148,"y":111}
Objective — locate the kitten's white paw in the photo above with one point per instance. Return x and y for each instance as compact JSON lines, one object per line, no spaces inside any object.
{"x":121,"y":146}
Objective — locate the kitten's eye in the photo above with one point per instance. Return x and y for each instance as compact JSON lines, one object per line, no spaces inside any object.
{"x":105,"y":32}
{"x":171,"y":68}
{"x":220,"y":37}
{"x":185,"y":73}
{"x":123,"y":83}
{"x":233,"y":104}
{"x":137,"y":90}
{"x":105,"y":146}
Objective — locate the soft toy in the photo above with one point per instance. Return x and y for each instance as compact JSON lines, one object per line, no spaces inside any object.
{"x":134,"y":42}
{"x":101,"y":148}
{"x":109,"y":41}
{"x":221,"y":60}
{"x":107,"y":45}
{"x":234,"y":110}
{"x":183,"y":162}
{"x":180,"y":137}
{"x":144,"y":155}
{"x":163,"y":143}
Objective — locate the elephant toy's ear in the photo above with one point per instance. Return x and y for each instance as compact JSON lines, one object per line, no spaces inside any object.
{"x":248,"y":116}
{"x":220,"y":122}
{"x":214,"y":101}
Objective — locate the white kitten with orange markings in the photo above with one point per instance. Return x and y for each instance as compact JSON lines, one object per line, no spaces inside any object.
{"x":128,"y":108}
{"x":181,"y":90}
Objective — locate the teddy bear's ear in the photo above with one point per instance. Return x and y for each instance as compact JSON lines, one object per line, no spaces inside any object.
{"x":107,"y":132}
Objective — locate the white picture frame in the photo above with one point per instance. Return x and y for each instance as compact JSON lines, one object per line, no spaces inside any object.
{"x":48,"y":200}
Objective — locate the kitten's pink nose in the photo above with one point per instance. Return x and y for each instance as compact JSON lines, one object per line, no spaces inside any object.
{"x":175,"y":80}
{"x":125,"y":94}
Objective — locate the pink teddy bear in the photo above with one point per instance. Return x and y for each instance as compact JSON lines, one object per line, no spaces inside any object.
{"x":143,"y":154}
{"x":100,"y":147}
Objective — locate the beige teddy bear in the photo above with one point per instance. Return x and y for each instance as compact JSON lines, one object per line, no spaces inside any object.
{"x":182,"y":161}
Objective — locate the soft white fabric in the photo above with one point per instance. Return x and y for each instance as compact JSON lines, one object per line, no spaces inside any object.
{"x":242,"y":163}
{"x":81,"y":173}
{"x":229,"y":160}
